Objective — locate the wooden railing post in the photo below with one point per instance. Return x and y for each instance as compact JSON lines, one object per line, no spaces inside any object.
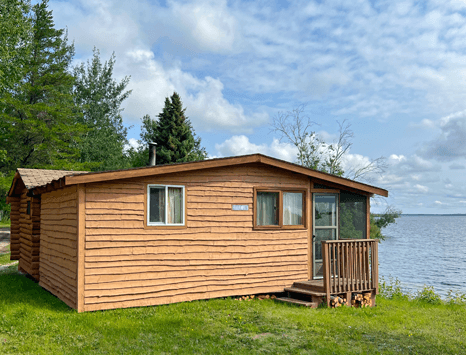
{"x":375,"y":265}
{"x":326,"y":271}
{"x":350,"y":266}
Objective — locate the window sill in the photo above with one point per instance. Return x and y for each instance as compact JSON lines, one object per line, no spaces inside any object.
{"x":164,"y":227}
{"x":279,"y":228}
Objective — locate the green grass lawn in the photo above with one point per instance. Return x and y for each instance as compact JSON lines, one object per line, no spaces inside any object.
{"x":5,"y":224}
{"x":5,"y":258}
{"x":32,"y":321}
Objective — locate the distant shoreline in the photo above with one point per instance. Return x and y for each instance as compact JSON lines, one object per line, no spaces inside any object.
{"x":432,"y":214}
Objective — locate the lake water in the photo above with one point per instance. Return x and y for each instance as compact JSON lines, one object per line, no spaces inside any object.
{"x":425,"y":250}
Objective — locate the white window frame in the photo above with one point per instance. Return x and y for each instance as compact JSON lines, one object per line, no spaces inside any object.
{"x":149,"y":223}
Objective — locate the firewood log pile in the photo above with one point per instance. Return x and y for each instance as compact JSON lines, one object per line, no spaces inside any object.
{"x":361,"y":300}
{"x":358,"y":300}
{"x":259,"y":297}
{"x":337,"y":301}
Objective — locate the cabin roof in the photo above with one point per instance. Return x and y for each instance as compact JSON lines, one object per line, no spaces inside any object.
{"x":41,"y":177}
{"x":44,"y":180}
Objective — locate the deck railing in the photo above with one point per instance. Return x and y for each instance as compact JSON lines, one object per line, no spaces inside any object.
{"x":350,"y":266}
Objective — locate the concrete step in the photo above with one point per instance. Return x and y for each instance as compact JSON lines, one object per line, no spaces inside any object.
{"x":298,"y":302}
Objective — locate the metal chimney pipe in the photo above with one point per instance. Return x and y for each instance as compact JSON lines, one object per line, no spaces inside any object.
{"x":152,"y":153}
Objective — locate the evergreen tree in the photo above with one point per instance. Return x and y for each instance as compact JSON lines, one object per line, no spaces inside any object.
{"x":15,"y":34}
{"x":173,"y":133}
{"x":100,"y":96}
{"x":38,"y":116}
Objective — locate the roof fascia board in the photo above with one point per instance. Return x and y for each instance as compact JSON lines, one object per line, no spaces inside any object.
{"x":13,"y":183}
{"x":257,"y":158}
{"x":326,"y":177}
{"x":127,"y":174}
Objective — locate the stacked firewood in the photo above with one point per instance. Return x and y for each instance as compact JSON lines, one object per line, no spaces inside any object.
{"x":259,"y":297}
{"x":337,"y":301}
{"x":361,"y":299}
{"x":357,"y":300}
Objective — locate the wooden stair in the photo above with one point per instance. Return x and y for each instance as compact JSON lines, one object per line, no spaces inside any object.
{"x":305,"y":293}
{"x":298,"y":302}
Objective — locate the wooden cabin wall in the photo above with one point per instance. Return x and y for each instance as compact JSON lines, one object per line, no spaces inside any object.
{"x":219,"y":253}
{"x":29,"y":235}
{"x":15,"y":227}
{"x":58,"y":246}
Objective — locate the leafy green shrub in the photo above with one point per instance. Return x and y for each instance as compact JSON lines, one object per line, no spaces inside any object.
{"x":427,"y":294}
{"x":456,"y":298}
{"x":391,"y":289}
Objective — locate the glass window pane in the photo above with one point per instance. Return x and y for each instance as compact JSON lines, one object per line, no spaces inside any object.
{"x":267,"y":209}
{"x":352,"y":216}
{"x":325,"y":210}
{"x":175,"y":205}
{"x":157,"y":205}
{"x":292,"y":208}
{"x":320,"y":235}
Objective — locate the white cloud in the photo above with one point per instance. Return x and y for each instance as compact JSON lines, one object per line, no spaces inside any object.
{"x":451,"y":143}
{"x":131,"y":30}
{"x":209,"y":23}
{"x":205,"y":104}
{"x":457,"y":166}
{"x":132,"y":143}
{"x":421,"y":188}
{"x":240,"y":145}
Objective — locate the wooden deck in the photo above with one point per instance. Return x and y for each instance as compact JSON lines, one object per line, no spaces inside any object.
{"x":350,"y":267}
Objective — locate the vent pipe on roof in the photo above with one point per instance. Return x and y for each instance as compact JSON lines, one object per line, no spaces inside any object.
{"x":152,"y":153}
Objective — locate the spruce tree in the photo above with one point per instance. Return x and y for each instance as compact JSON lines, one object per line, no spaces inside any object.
{"x":173,"y":133}
{"x":38,"y":116}
{"x":15,"y":34}
{"x":100,"y":96}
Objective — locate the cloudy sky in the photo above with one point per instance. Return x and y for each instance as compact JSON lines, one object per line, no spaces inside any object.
{"x":395,"y":70}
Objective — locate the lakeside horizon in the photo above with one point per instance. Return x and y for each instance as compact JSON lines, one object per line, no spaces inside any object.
{"x":428,"y":214}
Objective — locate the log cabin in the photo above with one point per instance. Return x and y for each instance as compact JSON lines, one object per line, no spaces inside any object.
{"x":197,"y":230}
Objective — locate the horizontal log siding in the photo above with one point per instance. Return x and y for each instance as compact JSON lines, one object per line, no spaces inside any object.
{"x":58,"y":260}
{"x":29,"y":235}
{"x":219,"y":253}
{"x":15,"y":227}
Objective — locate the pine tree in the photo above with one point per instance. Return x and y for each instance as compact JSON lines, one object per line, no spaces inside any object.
{"x":15,"y":34}
{"x":100,"y":97}
{"x":38,"y":116}
{"x":173,"y":133}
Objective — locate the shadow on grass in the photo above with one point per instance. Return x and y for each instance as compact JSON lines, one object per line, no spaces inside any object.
{"x":23,"y":290}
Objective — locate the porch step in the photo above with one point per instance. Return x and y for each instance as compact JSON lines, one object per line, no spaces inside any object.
{"x":298,"y":302}
{"x":313,"y":285}
{"x":304,"y":291}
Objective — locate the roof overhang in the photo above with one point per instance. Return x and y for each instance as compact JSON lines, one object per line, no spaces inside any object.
{"x":213,"y":163}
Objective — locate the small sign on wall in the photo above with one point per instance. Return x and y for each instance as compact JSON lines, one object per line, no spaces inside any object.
{"x":240,"y":207}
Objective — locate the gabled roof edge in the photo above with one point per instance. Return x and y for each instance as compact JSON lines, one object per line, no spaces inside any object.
{"x":216,"y":163}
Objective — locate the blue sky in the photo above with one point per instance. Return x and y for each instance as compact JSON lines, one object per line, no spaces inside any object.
{"x":395,"y":70}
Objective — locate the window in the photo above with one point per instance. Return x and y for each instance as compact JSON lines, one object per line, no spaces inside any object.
{"x":28,"y":208}
{"x":353,"y":218}
{"x":279,"y":209}
{"x":165,"y":205}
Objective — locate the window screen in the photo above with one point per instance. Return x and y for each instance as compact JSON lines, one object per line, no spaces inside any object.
{"x":157,"y":205}
{"x":353,"y":220}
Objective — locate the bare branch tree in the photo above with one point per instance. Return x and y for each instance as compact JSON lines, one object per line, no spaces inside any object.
{"x":296,"y":127}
